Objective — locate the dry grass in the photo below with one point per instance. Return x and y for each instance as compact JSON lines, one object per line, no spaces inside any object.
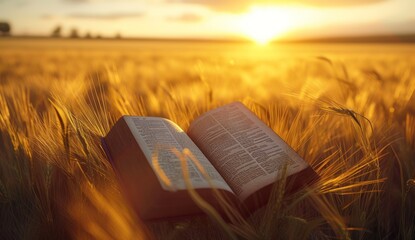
{"x":351,"y":117}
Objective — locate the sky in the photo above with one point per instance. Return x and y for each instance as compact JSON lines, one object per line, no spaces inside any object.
{"x":211,"y":18}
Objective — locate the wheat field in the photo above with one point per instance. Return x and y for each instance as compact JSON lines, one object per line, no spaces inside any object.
{"x":348,"y":110}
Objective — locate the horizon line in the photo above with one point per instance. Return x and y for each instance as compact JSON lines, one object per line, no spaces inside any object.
{"x":372,"y":38}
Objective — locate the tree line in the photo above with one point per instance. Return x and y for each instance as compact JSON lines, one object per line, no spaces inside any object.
{"x":57,"y":32}
{"x":74,"y":33}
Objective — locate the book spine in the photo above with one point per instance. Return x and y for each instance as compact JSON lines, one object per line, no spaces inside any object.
{"x":107,"y":151}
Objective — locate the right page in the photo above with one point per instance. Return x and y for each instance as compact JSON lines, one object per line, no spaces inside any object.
{"x":246,"y":152}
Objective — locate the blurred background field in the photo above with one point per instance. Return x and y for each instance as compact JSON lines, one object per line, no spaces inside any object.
{"x":348,"y":109}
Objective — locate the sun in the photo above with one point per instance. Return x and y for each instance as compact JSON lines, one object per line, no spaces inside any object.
{"x":263,"y":24}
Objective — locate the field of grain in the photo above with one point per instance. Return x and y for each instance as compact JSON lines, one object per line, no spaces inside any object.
{"x":349,"y":110}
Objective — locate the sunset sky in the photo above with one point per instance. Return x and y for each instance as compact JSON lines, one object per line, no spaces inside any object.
{"x":211,"y":18}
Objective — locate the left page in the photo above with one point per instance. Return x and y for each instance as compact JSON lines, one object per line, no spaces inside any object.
{"x":160,"y":135}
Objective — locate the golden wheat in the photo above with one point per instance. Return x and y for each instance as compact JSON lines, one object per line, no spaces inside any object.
{"x":350,"y":117}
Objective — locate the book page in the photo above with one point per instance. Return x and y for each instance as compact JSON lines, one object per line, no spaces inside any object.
{"x":161,"y":135}
{"x":245,"y":151}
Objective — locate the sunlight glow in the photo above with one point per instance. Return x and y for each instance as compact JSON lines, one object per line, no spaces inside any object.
{"x":263,"y":24}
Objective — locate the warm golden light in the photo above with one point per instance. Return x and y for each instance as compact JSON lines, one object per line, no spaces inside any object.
{"x":263,"y":24}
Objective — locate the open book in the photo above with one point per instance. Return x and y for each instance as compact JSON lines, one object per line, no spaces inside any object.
{"x":242,"y":156}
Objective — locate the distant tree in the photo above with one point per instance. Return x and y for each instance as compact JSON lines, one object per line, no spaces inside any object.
{"x":99,"y":36}
{"x":88,"y":35}
{"x":57,"y":32}
{"x":74,"y":33}
{"x":118,"y":36}
{"x":5,"y":29}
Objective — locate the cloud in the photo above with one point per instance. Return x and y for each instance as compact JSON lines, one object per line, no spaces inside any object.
{"x":221,"y":5}
{"x":331,"y":3}
{"x":107,"y":16}
{"x":77,"y":1}
{"x":186,"y":17}
{"x":242,"y":5}
{"x":47,"y":16}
